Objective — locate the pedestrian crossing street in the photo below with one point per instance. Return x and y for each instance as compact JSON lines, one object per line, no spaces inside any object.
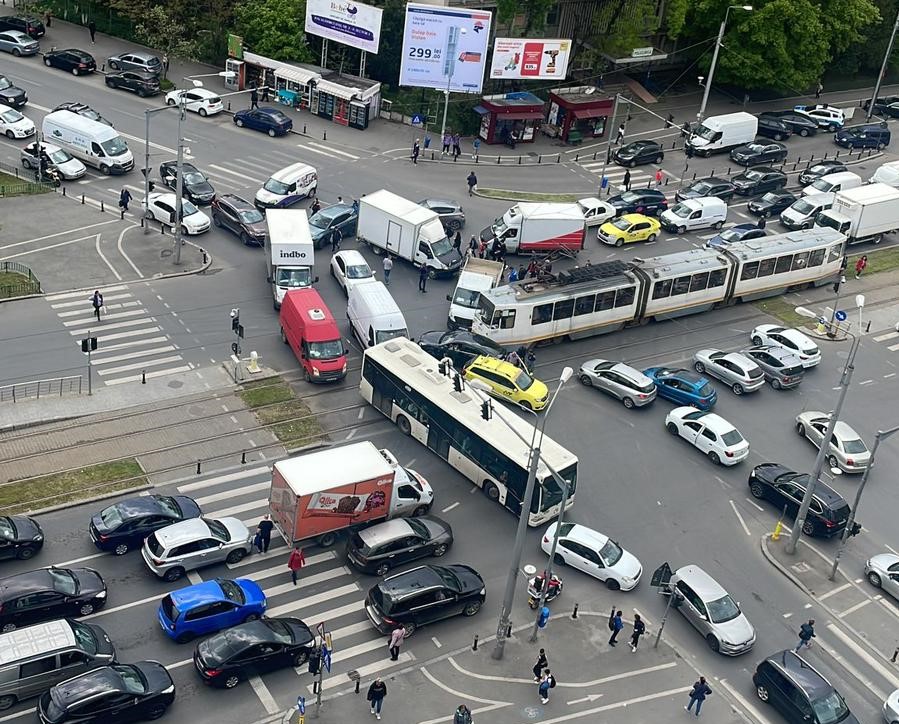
{"x":615,"y":174}
{"x":130,"y":340}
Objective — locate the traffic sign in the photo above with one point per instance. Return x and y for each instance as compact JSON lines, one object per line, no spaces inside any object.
{"x":840,"y":315}
{"x":301,"y":704}
{"x":321,"y":629}
{"x":326,"y":657}
{"x":418,"y":120}
{"x":661,"y":575}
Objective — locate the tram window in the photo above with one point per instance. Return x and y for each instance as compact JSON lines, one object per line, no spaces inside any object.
{"x":660,"y":290}
{"x":681,"y":286}
{"x":584,"y":305}
{"x":507,"y":319}
{"x":800,"y":260}
{"x":750,"y":271}
{"x":625,"y":297}
{"x":783,"y":264}
{"x":542,"y":313}
{"x":604,"y":301}
{"x":563,"y":309}
{"x":767,"y":266}
{"x":699,"y":282}
{"x":817,"y":258}
{"x":717,"y":277}
{"x":834,"y":253}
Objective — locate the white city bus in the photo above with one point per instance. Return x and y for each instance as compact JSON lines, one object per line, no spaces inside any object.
{"x":404,"y":383}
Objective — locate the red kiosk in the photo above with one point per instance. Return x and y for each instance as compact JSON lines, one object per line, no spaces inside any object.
{"x":577,"y":113}
{"x":510,"y":118}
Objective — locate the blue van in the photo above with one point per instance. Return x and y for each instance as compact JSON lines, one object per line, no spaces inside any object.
{"x":867,"y":135}
{"x":210,"y":606}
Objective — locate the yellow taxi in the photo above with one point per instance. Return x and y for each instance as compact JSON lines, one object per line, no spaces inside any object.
{"x":508,"y":382}
{"x":628,"y":228}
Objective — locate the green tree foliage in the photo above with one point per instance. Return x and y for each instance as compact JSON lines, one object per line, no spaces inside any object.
{"x":613,"y":27}
{"x":866,"y":57}
{"x":273,"y":28}
{"x":533,"y":10}
{"x":385,"y":66}
{"x":158,"y":29}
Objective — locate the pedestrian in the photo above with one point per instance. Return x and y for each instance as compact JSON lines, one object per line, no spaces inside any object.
{"x":265,"y":94}
{"x":447,"y":140}
{"x":476,"y":147}
{"x":685,"y":129}
{"x":97,"y":303}
{"x":48,"y":17}
{"x":457,"y":241}
{"x":316,"y":206}
{"x":423,"y":278}
{"x":532,"y":268}
{"x":615,"y":624}
{"x":295,"y":562}
{"x":540,"y":665}
{"x":522,"y":272}
{"x":462,"y":715}
{"x":806,"y":634}
{"x":427,"y":141}
{"x":336,"y":236}
{"x":495,"y":250}
{"x":639,"y":630}
{"x":861,"y":265}
{"x":546,"y":683}
{"x":355,"y":206}
{"x":92,"y":29}
{"x":698,"y":694}
{"x":124,"y":199}
{"x":818,"y":89}
{"x":388,"y":265}
{"x":396,"y":638}
{"x":416,"y":149}
{"x":376,"y":693}
{"x":659,"y":177}
{"x":669,"y":121}
{"x":627,"y":180}
{"x":620,"y":136}
{"x":482,"y":249}
{"x":473,"y":245}
{"x":457,"y":146}
{"x":254,"y":97}
{"x":472,"y":183}
{"x":265,"y":528}
{"x":165,"y":64}
{"x":257,"y":542}
{"x":513,"y":274}
{"x":688,"y":150}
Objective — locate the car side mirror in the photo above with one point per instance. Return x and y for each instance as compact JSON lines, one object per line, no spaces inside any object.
{"x":346,"y":351}
{"x":449,"y":297}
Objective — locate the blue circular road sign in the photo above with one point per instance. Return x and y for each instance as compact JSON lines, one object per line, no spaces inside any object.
{"x":840,"y":316}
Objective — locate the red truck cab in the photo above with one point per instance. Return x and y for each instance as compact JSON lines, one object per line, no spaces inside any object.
{"x":308,"y":326}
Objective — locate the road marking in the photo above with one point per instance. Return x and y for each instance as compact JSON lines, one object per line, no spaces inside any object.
{"x":319,"y":598}
{"x":462,"y":696}
{"x":240,"y":508}
{"x":265,"y":696}
{"x":125,"y":335}
{"x":753,"y":503}
{"x":43,"y":248}
{"x":256,"y":557}
{"x":436,"y":642}
{"x":580,"y":685}
{"x":133,"y":355}
{"x":18,"y":714}
{"x":835,"y":591}
{"x":310,"y":144}
{"x":114,"y":325}
{"x":366,"y":671}
{"x":885,"y":337}
{"x":856,"y":607}
{"x":135,"y":343}
{"x":303,"y":582}
{"x":743,"y":702}
{"x":893,"y":347}
{"x":227,"y":478}
{"x":739,"y":517}
{"x":589,"y":698}
{"x":448,"y":508}
{"x":241,"y":176}
{"x":232,"y":493}
{"x":87,"y":308}
{"x":150,"y":375}
{"x":618,"y":705}
{"x":80,"y":560}
{"x":70,"y":295}
{"x":141,"y":365}
{"x":194,"y":577}
{"x":864,"y":655}
{"x":91,"y":321}
{"x":86,"y":301}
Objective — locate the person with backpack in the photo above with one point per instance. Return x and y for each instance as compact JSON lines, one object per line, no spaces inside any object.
{"x":540,"y":665}
{"x":806,"y":634}
{"x":462,"y":715}
{"x":698,"y":694}
{"x":639,"y":630}
{"x":615,"y":625}
{"x":546,"y":683}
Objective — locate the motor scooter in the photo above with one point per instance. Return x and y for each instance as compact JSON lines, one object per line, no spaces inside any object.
{"x":535,"y":589}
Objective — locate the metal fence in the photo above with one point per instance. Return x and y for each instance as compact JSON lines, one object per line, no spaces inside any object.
{"x":28,"y":285}
{"x":37,"y":389}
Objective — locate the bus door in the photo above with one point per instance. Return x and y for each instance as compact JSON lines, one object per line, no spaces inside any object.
{"x":438,"y":441}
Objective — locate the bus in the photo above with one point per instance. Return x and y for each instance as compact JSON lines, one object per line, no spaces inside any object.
{"x":405,"y":383}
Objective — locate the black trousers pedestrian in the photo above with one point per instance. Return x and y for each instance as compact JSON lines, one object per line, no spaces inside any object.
{"x":97,"y":311}
{"x":394,"y":653}
{"x":266,"y":542}
{"x":538,"y":669}
{"x":293,"y":575}
{"x":614,"y":636}
{"x":423,"y":283}
{"x":635,"y":640}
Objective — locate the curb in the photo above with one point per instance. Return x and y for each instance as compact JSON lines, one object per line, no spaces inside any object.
{"x":512,"y":195}
{"x":779,"y":566}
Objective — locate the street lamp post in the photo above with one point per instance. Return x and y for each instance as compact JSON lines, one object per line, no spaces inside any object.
{"x":845,"y":379}
{"x":708,"y":82}
{"x":179,"y":182}
{"x":449,"y":66}
{"x":552,"y":554}
{"x":883,"y":69}
{"x":847,"y":531}
{"x":611,"y":128}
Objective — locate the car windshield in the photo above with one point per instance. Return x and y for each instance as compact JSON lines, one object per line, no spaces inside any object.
{"x":770,"y":197}
{"x":115,"y":147}
{"x":854,"y":446}
{"x":621,"y":224}
{"x":168,"y":505}
{"x":705,"y":390}
{"x":194,"y":178}
{"x":5,"y":83}
{"x":754,"y":175}
{"x":131,"y":678}
{"x":63,"y":581}
{"x":822,"y":185}
{"x":7,"y":531}
{"x":325,"y":350}
{"x":752,"y":148}
{"x":279,"y":629}
{"x":467,"y":298}
{"x":277,"y":187}
{"x":611,"y":553}
{"x":60,"y":156}
{"x":188,"y":209}
{"x":382,"y":335}
{"x":681,"y":211}
{"x":359,"y":271}
{"x":250,"y":216}
{"x":84,"y":637}
{"x":217,"y":529}
{"x":319,"y":221}
{"x":524,"y":380}
{"x":722,"y":610}
{"x":441,"y":247}
{"x":11,"y":116}
{"x":804,"y":207}
{"x":732,"y":437}
{"x":294,"y":278}
{"x":703,"y":187}
{"x":732,"y":234}
{"x":449,"y":578}
{"x":232,"y":591}
{"x":830,"y":709}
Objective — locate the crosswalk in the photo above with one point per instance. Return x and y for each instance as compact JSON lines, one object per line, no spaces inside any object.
{"x":615,"y":175}
{"x":889,"y":337}
{"x":130,"y":341}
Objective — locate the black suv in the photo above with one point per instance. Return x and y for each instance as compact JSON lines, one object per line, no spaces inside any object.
{"x":639,"y":201}
{"x":799,"y":692}
{"x":141,"y":82}
{"x":379,"y":548}
{"x":822,"y":168}
{"x":705,"y":187}
{"x":29,"y":25}
{"x":11,"y":95}
{"x":75,"y":61}
{"x":240,"y":217}
{"x":639,"y":152}
{"x":424,"y":595}
{"x":828,"y":512}
{"x":773,"y":128}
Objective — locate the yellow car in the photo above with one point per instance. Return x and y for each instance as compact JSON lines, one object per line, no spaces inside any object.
{"x":508,"y":382}
{"x":628,"y":228}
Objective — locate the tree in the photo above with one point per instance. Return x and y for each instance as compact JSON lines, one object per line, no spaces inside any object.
{"x":158,"y":29}
{"x":274,"y":28}
{"x":534,"y":12}
{"x":385,"y":66}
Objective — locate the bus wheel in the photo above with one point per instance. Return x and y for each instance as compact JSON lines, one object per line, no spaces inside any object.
{"x":402,"y":422}
{"x":490,"y":490}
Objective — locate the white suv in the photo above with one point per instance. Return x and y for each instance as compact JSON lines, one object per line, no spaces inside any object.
{"x":825,"y":116}
{"x":198,"y":100}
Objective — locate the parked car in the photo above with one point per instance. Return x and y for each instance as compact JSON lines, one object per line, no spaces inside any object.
{"x":349,"y":268}
{"x":819,"y":169}
{"x":136,"y":60}
{"x":771,"y":203}
{"x":198,"y":100}
{"x":790,"y":339}
{"x":424,"y":595}
{"x":758,"y":180}
{"x":825,"y":116}
{"x":28,"y":24}
{"x":629,"y":228}
{"x":638,"y":153}
{"x":20,"y":537}
{"x":11,"y":95}
{"x":710,"y":610}
{"x":69,"y":167}
{"x":773,"y":127}
{"x":82,"y":110}
{"x":460,"y":345}
{"x":684,"y":387}
{"x":887,"y":107}
{"x":882,"y":571}
{"x":711,"y":186}
{"x":176,"y":549}
{"x":335,"y":216}
{"x":163,"y":208}
{"x":596,"y":212}
{"x":18,"y":43}
{"x":619,"y":380}
{"x":796,"y":122}
{"x":380,"y":548}
{"x":718,"y":439}
{"x":784,"y":488}
{"x":123,"y":525}
{"x":782,"y":369}
{"x":595,"y":554}
{"x":137,"y":81}
{"x":867,"y":135}
{"x":508,"y":382}
{"x":847,"y":451}
{"x":210,"y":606}
{"x":639,"y":201}
{"x":14,"y":125}
{"x":75,"y":61}
{"x":450,"y":212}
{"x":753,"y":154}
{"x":119,"y":693}
{"x":194,"y":184}
{"x":269,"y":120}
{"x":240,"y":217}
{"x":250,"y":649}
{"x":734,"y":369}
{"x":737,"y":232}
{"x":48,"y":593}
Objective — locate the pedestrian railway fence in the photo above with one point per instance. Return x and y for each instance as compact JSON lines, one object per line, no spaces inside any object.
{"x":38,"y":389}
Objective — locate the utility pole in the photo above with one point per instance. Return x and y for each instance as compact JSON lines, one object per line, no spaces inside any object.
{"x":450,"y":66}
{"x":708,"y":84}
{"x":552,"y":554}
{"x":883,"y":69}
{"x":146,"y":224}
{"x":612,"y":129}
{"x":179,"y":183}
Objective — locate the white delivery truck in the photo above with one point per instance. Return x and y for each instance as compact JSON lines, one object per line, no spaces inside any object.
{"x":391,"y":224}
{"x":290,"y":252}
{"x":94,"y":143}
{"x":864,"y":213}
{"x":478,"y":275}
{"x":540,"y":227}
{"x":717,"y":134}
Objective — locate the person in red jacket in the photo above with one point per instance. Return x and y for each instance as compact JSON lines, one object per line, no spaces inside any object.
{"x":295,"y":562}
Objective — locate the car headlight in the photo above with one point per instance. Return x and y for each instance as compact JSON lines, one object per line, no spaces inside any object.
{"x":168,"y":690}
{"x":102,"y":594}
{"x":38,"y":538}
{"x":316,"y":372}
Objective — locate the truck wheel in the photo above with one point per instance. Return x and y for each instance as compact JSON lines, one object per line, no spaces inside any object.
{"x":326,"y":540}
{"x":402,"y":422}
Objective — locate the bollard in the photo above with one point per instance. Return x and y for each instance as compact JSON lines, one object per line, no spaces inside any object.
{"x":432,"y":155}
{"x":162,"y":229}
{"x":519,"y":160}
{"x":141,"y":222}
{"x":667,"y":180}
{"x":694,"y":175}
{"x":868,"y":327}
{"x":558,"y":158}
{"x":205,"y":256}
{"x":576,"y":157}
{"x":498,"y":158}
{"x":198,"y":467}
{"x":229,"y":105}
{"x":509,"y":630}
{"x":143,"y":377}
{"x":895,"y":654}
{"x":102,"y":66}
{"x":324,"y":135}
{"x":728,"y":170}
{"x":63,"y":190}
{"x":477,"y":159}
{"x":304,"y":129}
{"x":358,"y":681}
{"x":795,"y":164}
{"x":474,"y":646}
{"x":574,"y":613}
{"x":539,"y":158}
{"x":102,"y":208}
{"x":594,"y":155}
{"x":243,"y":457}
{"x":82,"y":199}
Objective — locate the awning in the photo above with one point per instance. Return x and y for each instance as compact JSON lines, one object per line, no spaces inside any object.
{"x":582,"y":113}
{"x":297,"y":75}
{"x":480,"y":110}
{"x":254,"y":59}
{"x":520,"y":116}
{"x":339,"y":91}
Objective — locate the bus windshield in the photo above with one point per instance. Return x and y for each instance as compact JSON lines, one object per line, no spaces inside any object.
{"x":552,"y":493}
{"x":486,"y":308}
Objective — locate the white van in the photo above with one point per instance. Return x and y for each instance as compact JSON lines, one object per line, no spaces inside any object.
{"x":887,"y":174}
{"x":287,"y":186}
{"x":801,"y":215}
{"x":95,"y":143}
{"x":833,"y":182}
{"x":373,"y":314}
{"x":693,"y":214}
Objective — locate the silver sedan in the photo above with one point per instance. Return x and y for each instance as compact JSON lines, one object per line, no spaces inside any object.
{"x":882,"y":571}
{"x":622,"y":381}
{"x":732,"y":368}
{"x":17,"y":43}
{"x":847,"y":450}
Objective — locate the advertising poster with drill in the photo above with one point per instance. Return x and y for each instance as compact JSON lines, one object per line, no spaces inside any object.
{"x":516,"y":58}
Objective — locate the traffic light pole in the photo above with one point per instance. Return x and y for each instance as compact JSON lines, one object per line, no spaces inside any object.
{"x":90,"y":390}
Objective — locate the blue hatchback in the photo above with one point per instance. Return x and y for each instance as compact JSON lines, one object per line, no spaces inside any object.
{"x":269,"y":120}
{"x":210,"y":606}
{"x":684,"y":387}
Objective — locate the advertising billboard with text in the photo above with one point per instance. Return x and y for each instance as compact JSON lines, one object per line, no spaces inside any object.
{"x":523,"y":58}
{"x":349,"y":23}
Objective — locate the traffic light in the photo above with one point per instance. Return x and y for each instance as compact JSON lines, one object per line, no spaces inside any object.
{"x":486,"y":410}
{"x":444,"y":367}
{"x":544,"y":616}
{"x":235,"y":319}
{"x":855,"y":529}
{"x":88,"y":344}
{"x":457,"y":382}
{"x":315,"y":662}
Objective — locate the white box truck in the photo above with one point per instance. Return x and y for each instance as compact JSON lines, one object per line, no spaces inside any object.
{"x":478,"y":275}
{"x":391,"y":224}
{"x":717,"y":134}
{"x":539,"y":227}
{"x":94,"y":143}
{"x":887,"y":173}
{"x":864,"y":213}
{"x":290,"y":252}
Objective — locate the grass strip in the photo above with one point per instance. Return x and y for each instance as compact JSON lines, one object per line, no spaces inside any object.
{"x":879,"y":260}
{"x":17,"y":186}
{"x":512,"y":195}
{"x":276,"y":406}
{"x":781,"y":309}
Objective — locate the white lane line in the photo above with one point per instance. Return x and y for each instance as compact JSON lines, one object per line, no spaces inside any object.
{"x":133,"y":355}
{"x":19,"y":714}
{"x":368,"y":670}
{"x":885,"y":337}
{"x":448,"y":508}
{"x":140,"y":365}
{"x":310,"y":601}
{"x":227,"y":478}
{"x":86,"y":301}
{"x":739,"y":517}
{"x":239,"y":174}
{"x":135,"y":343}
{"x":853,"y":609}
{"x":265,"y":696}
{"x":336,"y":613}
{"x":320,"y":151}
{"x":91,"y":321}
{"x":87,"y":311}
{"x":194,"y":577}
{"x":304,"y":582}
{"x":322,"y":557}
{"x":240,"y":508}
{"x":233,"y":493}
{"x":126,"y":335}
{"x":80,"y":560}
{"x":150,"y":375}
{"x":835,"y":591}
{"x":893,"y":347}
{"x":327,"y":148}
{"x":70,"y":295}
{"x":744,"y":703}
{"x":115,"y":325}
{"x":436,"y":642}
{"x":872,"y":662}
{"x":753,"y":503}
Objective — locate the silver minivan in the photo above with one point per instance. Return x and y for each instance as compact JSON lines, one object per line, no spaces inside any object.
{"x":176,"y":549}
{"x":35,"y":658}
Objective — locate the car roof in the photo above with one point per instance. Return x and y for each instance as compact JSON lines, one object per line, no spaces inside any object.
{"x":710,"y":180}
{"x":802,"y":673}
{"x":705,"y":586}
{"x":352,"y":257}
{"x":138,"y":505}
{"x":587,"y":536}
{"x":198,"y":594}
{"x":142,"y":74}
{"x":387,"y":531}
{"x":739,"y":359}
{"x":625,"y":370}
{"x":334,"y":210}
{"x":439,"y":202}
{"x":238,"y":202}
{"x":415,"y":579}
{"x":844,"y":432}
{"x":85,"y":685}
{"x":779,"y":352}
{"x":680,"y":373}
{"x":497,"y":365}
{"x":19,"y":35}
{"x":714,"y":422}
{"x":29,"y":582}
{"x":182,"y":532}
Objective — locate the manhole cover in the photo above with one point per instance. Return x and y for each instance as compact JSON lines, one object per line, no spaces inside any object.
{"x":176,"y":385}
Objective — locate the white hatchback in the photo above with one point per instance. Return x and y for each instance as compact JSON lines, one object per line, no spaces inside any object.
{"x":790,"y":339}
{"x":13,"y":124}
{"x":721,"y":442}
{"x":595,"y":554}
{"x":350,"y":269}
{"x":596,"y":212}
{"x":162,"y":207}
{"x":198,"y":100}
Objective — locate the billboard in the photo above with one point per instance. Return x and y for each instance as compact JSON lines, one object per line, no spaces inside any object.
{"x":522,"y":58}
{"x":445,"y":48}
{"x":349,"y":23}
